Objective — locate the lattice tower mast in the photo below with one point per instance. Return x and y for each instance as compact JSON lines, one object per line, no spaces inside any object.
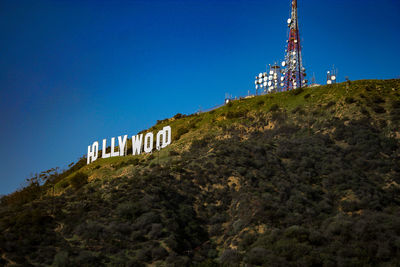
{"x":295,"y":72}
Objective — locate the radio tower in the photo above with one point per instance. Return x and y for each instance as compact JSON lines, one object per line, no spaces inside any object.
{"x":294,"y":73}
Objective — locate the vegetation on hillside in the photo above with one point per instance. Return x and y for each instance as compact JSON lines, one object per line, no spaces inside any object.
{"x":308,"y":177}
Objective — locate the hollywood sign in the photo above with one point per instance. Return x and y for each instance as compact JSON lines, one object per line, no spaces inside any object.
{"x":163,"y":139}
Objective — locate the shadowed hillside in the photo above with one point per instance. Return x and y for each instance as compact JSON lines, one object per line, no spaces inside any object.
{"x":308,"y":177}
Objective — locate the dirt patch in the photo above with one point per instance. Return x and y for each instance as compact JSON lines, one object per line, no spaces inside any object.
{"x":234,"y":182}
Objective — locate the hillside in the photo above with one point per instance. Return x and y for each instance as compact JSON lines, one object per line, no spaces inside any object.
{"x":308,"y":177}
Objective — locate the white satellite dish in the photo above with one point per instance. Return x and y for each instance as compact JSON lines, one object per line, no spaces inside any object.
{"x":256,"y":81}
{"x":282,"y":78}
{"x":283,"y":63}
{"x":289,"y":21}
{"x":260,"y":75}
{"x":271,"y":72}
{"x":329,"y":82}
{"x":265,"y":79}
{"x":282,"y":84}
{"x":265,"y":84}
{"x":261,"y":86}
{"x":265,"y":74}
{"x":294,"y":53}
{"x":270,"y":78}
{"x":256,"y":86}
{"x":333,"y":77}
{"x":269,"y":83}
{"x":260,"y":81}
{"x":328,"y":72}
{"x":295,"y":41}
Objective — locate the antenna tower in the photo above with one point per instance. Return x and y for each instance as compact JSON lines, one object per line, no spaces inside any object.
{"x":331,"y":76}
{"x":294,"y":71}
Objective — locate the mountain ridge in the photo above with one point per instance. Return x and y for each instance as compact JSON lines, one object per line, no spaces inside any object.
{"x":305,"y":177}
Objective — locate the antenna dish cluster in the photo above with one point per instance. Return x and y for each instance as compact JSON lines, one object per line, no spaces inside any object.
{"x":290,"y":74}
{"x":331,"y":76}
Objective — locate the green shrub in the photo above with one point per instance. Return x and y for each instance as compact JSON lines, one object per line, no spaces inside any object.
{"x":196,"y":144}
{"x":86,"y":258}
{"x":134,"y":161}
{"x":297,"y":91}
{"x":236,"y":114}
{"x":395,"y":104}
{"x":349,"y":100}
{"x":230,"y":257}
{"x":181,"y":131}
{"x":274,"y":108}
{"x":298,"y":232}
{"x":79,"y":180}
{"x":247,"y":240}
{"x":208,"y":262}
{"x":158,"y":253}
{"x":278,"y":117}
{"x":379,"y":109}
{"x":350,"y":206}
{"x":64,"y":184}
{"x":257,"y":256}
{"x":61,"y":259}
{"x":330,"y":104}
{"x":379,"y":100}
{"x":173,"y":153}
{"x":178,"y":116}
{"x":364,"y":111}
{"x":296,"y":109}
{"x":129,"y":210}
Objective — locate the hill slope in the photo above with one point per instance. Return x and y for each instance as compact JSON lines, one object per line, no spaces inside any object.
{"x":307,"y":177}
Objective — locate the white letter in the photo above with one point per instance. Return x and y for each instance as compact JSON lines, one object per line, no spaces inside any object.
{"x":89,"y":155}
{"x":166,"y":136}
{"x":148,"y":144}
{"x":122,"y":144}
{"x":93,"y":155}
{"x":159,"y":134}
{"x":104,"y":154}
{"x":137,"y":144}
{"x":113,"y":153}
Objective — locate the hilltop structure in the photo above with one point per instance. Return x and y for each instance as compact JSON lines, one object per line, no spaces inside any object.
{"x":292,"y":74}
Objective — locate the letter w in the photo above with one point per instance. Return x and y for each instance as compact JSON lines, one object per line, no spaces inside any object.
{"x":137,"y":144}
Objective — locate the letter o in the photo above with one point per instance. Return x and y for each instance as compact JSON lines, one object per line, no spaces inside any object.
{"x":148,"y":142}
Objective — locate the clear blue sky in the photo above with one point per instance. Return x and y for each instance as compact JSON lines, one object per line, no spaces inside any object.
{"x":73,"y":72}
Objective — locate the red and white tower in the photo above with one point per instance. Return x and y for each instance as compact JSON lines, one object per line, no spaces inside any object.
{"x":294,"y":72}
